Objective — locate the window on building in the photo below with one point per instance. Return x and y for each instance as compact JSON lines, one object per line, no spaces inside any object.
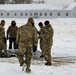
{"x":73,"y":14}
{"x":1,"y":14}
{"x":21,"y":14}
{"x":35,"y":13}
{"x":45,"y":14}
{"x":15,"y":14}
{"x":58,"y":14}
{"x":40,"y":14}
{"x":7,"y":14}
{"x":30,"y":14}
{"x":50,"y":14}
{"x":26,"y":14}
{"x":66,"y":14}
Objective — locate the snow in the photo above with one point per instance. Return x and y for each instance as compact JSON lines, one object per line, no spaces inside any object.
{"x":63,"y":50}
{"x":57,"y":1}
{"x":51,"y":6}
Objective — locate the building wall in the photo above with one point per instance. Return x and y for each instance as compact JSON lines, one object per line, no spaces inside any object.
{"x":38,"y":14}
{"x":74,"y":11}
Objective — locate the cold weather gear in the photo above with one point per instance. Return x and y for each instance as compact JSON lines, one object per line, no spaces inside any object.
{"x":26,"y":39}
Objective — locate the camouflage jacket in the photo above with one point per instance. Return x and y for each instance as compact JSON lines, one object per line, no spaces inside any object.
{"x":37,"y":36}
{"x":12,"y":31}
{"x":46,"y":35}
{"x":42,"y":34}
{"x":26,"y":35}
{"x":49,"y":34}
{"x":2,"y":32}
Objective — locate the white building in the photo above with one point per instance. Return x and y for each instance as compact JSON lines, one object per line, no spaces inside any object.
{"x":38,"y":10}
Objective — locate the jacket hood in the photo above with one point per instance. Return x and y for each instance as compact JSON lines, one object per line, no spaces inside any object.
{"x":31,"y":20}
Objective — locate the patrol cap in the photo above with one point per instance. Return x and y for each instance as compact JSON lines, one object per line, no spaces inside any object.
{"x":46,"y":22}
{"x":31,"y":20}
{"x":40,"y":24}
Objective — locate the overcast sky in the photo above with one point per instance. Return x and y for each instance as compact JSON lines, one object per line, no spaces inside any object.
{"x":58,"y":1}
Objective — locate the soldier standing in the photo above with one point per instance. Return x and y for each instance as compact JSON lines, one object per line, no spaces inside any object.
{"x":46,"y":34}
{"x":41,"y":32}
{"x":26,"y":37}
{"x":48,"y":38}
{"x":3,"y":46}
{"x":11,"y":35}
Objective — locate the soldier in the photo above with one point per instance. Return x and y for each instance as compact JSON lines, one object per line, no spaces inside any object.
{"x":46,"y":36}
{"x":11,"y":34}
{"x":48,"y":42}
{"x":26,"y":38}
{"x":3,"y":46}
{"x":41,"y":31}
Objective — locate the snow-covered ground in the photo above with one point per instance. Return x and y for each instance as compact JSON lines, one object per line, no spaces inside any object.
{"x":63,"y":50}
{"x":56,"y":1}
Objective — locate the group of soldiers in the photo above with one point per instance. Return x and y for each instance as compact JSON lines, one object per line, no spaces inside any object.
{"x":11,"y":35}
{"x":26,"y":40}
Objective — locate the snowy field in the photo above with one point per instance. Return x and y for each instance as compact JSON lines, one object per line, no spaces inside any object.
{"x":57,"y":1}
{"x":63,"y":50}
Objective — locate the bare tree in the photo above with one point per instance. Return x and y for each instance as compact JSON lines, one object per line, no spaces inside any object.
{"x":43,"y":1}
{"x":19,"y":1}
{"x":2,"y":1}
{"x":29,"y":1}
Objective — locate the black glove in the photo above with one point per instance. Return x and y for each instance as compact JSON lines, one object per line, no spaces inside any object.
{"x":35,"y":49}
{"x":38,"y":32}
{"x":33,"y":24}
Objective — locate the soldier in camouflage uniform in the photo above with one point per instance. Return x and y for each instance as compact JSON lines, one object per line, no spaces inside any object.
{"x":3,"y":46}
{"x":26,"y":37}
{"x":41,"y":32}
{"x":47,"y":37}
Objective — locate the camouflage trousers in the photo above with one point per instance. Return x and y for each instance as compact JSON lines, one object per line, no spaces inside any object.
{"x":24,"y":55}
{"x":3,"y":48}
{"x":46,"y":52}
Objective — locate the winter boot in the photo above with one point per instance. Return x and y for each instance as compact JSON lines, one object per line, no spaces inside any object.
{"x":21,"y":64}
{"x":28,"y":70}
{"x":48,"y":64}
{"x":1,"y":56}
{"x":6,"y":56}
